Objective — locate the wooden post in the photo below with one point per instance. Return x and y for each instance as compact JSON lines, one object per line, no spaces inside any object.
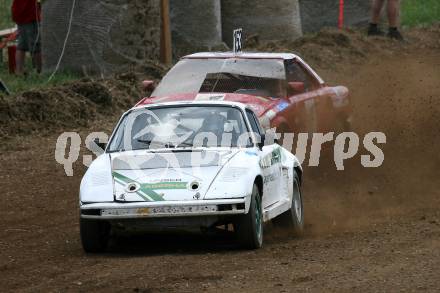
{"x":166,"y":54}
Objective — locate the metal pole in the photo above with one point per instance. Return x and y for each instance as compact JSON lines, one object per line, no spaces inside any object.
{"x":341,"y":14}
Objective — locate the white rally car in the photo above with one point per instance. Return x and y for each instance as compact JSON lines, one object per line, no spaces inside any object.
{"x":191,"y":164}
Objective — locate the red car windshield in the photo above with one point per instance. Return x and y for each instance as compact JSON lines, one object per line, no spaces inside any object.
{"x":259,"y":77}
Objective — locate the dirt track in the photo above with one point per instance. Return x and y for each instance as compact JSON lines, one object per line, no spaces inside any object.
{"x":367,"y":229}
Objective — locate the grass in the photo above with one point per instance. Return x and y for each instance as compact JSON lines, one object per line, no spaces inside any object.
{"x":33,"y":80}
{"x":418,"y":12}
{"x":5,"y":14}
{"x":17,"y":84}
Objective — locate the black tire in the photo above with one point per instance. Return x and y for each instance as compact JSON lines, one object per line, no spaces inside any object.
{"x":249,"y":227}
{"x":290,"y":219}
{"x":94,"y":235}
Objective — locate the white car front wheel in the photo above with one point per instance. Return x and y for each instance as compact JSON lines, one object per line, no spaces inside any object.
{"x":95,"y":235}
{"x":249,"y":227}
{"x":293,"y":218}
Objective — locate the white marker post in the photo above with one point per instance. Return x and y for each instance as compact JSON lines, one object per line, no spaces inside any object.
{"x":238,"y":41}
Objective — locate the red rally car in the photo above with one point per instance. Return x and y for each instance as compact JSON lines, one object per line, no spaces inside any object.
{"x":281,"y":88}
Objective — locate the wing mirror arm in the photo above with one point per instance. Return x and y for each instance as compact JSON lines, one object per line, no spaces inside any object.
{"x":261,"y":142}
{"x":148,"y":85}
{"x":269,"y":137}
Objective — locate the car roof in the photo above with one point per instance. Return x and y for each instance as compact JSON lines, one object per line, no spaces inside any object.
{"x":192,"y":103}
{"x":243,"y":55}
{"x":253,"y":55}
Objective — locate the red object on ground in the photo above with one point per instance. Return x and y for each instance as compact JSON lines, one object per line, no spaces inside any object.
{"x":341,"y":14}
{"x":11,"y":58}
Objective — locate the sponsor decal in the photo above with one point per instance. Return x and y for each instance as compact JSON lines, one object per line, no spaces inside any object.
{"x":170,"y":180}
{"x":165,"y":185}
{"x":271,"y":177}
{"x":282,"y":106}
{"x":276,"y":156}
{"x":147,"y":191}
{"x":143,"y":211}
{"x":270,"y":159}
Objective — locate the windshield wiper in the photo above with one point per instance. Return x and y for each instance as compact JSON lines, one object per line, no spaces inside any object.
{"x":116,"y":151}
{"x":187,"y":144}
{"x":148,"y":142}
{"x":168,"y":145}
{"x":145,"y":141}
{"x":173,"y":146}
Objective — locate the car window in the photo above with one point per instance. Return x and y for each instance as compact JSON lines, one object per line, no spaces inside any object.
{"x":179,"y":126}
{"x":222,"y":82}
{"x":258,"y":77}
{"x":296,"y":73}
{"x":255,"y":125}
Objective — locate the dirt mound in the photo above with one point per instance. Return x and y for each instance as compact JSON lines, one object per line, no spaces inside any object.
{"x":69,"y":106}
{"x":75,"y":104}
{"x":331,"y":48}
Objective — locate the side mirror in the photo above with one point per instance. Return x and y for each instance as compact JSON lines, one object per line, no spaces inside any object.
{"x":297,"y":87}
{"x":271,"y":137}
{"x":260,"y":144}
{"x":148,"y":85}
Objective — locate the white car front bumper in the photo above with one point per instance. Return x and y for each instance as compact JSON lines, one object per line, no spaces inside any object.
{"x":161,"y":209}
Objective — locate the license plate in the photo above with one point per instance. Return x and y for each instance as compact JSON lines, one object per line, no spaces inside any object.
{"x":164,"y":210}
{"x":183,"y":209}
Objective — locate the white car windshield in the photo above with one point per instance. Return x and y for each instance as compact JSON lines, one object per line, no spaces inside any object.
{"x":258,"y":77}
{"x":180,"y":127}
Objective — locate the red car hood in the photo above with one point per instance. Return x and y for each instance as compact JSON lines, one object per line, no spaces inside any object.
{"x":258,"y":104}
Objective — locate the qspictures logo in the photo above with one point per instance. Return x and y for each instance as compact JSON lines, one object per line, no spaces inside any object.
{"x":344,"y":146}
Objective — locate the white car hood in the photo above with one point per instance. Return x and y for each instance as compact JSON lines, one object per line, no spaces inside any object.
{"x":165,"y":175}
